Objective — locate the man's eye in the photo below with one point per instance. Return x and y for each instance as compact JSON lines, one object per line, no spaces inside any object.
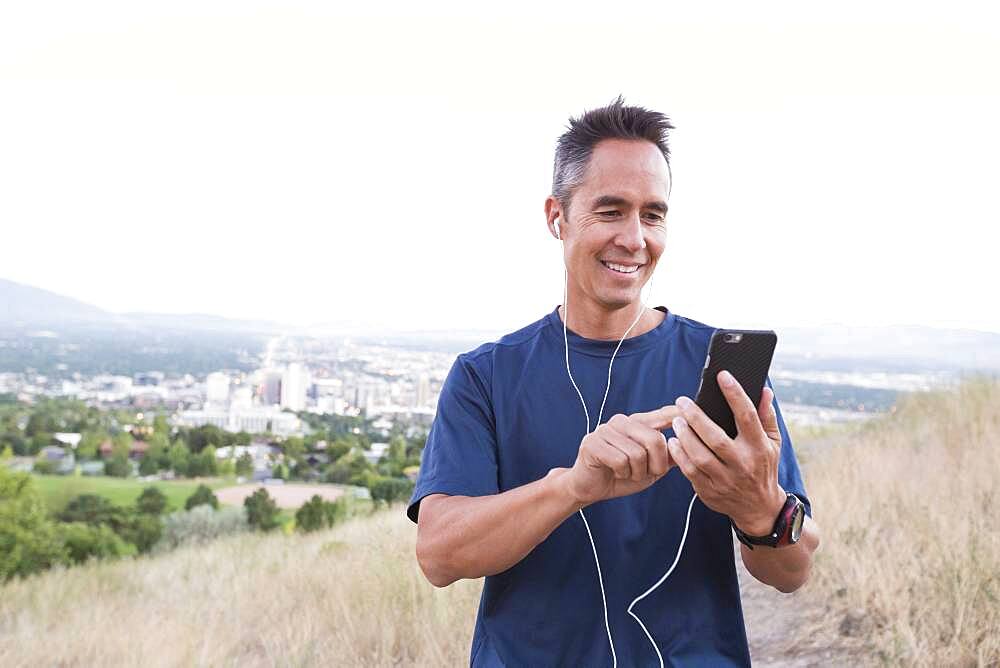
{"x":605,"y":213}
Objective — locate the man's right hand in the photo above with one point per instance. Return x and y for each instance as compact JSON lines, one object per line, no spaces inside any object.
{"x":625,"y":455}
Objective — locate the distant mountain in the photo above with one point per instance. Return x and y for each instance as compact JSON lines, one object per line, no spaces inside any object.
{"x":24,"y":304}
{"x":899,"y":346}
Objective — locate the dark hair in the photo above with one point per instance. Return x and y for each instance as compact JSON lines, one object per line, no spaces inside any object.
{"x":615,"y":121}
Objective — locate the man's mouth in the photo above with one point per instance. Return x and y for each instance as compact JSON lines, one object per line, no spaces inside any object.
{"x":624,"y":269}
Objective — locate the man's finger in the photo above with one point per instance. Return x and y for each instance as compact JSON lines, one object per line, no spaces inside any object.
{"x":659,"y":418}
{"x":745,"y":413}
{"x":768,"y":417}
{"x":638,"y":457}
{"x":651,"y":440}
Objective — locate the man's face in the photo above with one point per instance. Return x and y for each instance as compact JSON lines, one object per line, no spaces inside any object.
{"x":617,"y":215}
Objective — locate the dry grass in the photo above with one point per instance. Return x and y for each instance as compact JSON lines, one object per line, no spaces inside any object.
{"x":909,"y":572}
{"x":909,"y":567}
{"x":352,"y":595}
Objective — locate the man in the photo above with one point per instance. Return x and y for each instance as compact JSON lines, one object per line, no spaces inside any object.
{"x":575,"y":525}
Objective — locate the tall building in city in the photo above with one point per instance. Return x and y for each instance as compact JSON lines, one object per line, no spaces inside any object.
{"x":270,"y":387}
{"x":217,"y":388}
{"x":293,"y":387}
{"x":423,"y":391}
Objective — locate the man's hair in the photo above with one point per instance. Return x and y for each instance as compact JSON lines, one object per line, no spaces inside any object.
{"x":615,"y":121}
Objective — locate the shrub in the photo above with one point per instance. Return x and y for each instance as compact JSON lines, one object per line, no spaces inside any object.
{"x":151,"y":502}
{"x":118,"y":466}
{"x":262,"y":511}
{"x":29,"y":541}
{"x":317,"y":513}
{"x":44,"y":467}
{"x":83,"y":541}
{"x":94,"y":509}
{"x":143,"y":531}
{"x":244,"y":465}
{"x":200,"y":525}
{"x":148,"y":465}
{"x":202,"y":495}
{"x":391,"y":489}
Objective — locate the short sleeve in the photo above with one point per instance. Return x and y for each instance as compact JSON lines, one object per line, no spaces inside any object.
{"x":460,"y":456}
{"x":789,"y":475}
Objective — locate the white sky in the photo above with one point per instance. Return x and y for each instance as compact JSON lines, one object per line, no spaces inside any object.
{"x":297,"y":162}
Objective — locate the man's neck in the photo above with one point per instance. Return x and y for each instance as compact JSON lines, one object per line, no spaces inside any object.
{"x":594,"y":323}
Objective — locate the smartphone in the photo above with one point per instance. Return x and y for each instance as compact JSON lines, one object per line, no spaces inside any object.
{"x":744,"y":353}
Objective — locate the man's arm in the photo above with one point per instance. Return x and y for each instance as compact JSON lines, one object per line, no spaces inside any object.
{"x":784,"y":568}
{"x":472,"y":536}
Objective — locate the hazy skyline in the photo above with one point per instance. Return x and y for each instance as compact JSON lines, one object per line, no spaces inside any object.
{"x":297,"y":163}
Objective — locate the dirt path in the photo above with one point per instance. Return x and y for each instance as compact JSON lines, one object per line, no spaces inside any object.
{"x":788,"y":630}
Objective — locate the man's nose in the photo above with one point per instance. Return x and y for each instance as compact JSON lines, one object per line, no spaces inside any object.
{"x":632,"y":236}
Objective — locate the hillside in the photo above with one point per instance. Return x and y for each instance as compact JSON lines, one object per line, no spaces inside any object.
{"x":908,"y":573}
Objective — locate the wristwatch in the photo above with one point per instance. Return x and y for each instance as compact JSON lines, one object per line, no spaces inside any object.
{"x":787,"y":528}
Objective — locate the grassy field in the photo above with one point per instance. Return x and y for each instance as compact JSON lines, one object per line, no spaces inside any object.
{"x":908,"y":572}
{"x":57,"y":490}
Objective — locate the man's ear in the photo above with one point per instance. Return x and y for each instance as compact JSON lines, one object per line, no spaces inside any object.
{"x":554,"y":217}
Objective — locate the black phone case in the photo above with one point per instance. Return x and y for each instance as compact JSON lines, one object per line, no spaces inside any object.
{"x":747,"y":359}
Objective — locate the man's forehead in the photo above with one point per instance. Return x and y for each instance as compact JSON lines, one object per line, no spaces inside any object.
{"x":628,"y":169}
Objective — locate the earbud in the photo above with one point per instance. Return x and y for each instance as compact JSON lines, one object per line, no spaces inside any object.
{"x":555,"y":223}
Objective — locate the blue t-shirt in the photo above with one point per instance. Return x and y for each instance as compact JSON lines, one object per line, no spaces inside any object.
{"x":507,"y":414}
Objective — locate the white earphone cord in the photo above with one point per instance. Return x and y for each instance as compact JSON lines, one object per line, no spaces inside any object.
{"x":593,"y":546}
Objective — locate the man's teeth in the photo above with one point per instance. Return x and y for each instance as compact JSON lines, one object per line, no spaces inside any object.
{"x":621,"y":268}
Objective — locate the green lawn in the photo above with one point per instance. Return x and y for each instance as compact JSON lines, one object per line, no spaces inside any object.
{"x":57,"y":490}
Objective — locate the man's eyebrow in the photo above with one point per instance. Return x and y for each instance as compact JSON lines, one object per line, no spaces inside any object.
{"x":614,"y":200}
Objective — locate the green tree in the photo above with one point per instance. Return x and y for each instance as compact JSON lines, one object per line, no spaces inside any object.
{"x":160,"y":425}
{"x":201,"y":437}
{"x":244,"y":465}
{"x":262,"y":511}
{"x":29,"y":541}
{"x":317,"y":513}
{"x":280,"y":471}
{"x":178,"y":456}
{"x":94,"y":509}
{"x":142,"y":531}
{"x":90,"y":442}
{"x":201,"y":496}
{"x":121,"y":443}
{"x":293,"y":447}
{"x":152,"y":501}
{"x":83,"y":541}
{"x":7,"y":452}
{"x":204,"y":463}
{"x":390,"y":490}
{"x":148,"y":465}
{"x":118,"y":466}
{"x":226,"y":467}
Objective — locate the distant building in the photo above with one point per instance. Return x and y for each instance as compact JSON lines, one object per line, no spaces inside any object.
{"x":217,"y":388}
{"x":376,"y":452}
{"x":270,"y":387}
{"x":293,"y":387}
{"x":254,"y":419}
{"x":70,"y":439}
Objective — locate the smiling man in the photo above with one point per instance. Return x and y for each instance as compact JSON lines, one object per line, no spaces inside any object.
{"x":602,"y":541}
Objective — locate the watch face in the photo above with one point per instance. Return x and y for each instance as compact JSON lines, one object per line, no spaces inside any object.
{"x":798,"y":517}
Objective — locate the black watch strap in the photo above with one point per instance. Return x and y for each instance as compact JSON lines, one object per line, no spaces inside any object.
{"x":780,"y":532}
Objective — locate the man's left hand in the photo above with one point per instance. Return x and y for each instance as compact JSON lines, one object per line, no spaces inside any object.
{"x":737,"y":477}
